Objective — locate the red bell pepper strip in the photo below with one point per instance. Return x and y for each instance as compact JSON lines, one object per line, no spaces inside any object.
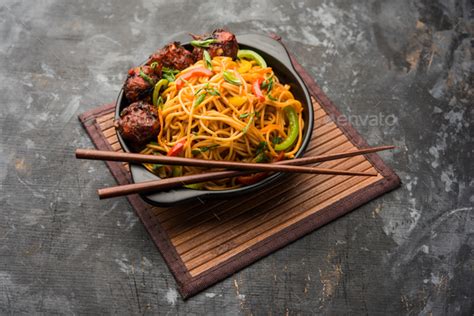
{"x":177,"y":148}
{"x":196,"y":72}
{"x":251,"y":179}
{"x":254,"y":178}
{"x":257,"y":90}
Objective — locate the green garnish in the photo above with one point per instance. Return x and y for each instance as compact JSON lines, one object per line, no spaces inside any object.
{"x":168,"y":74}
{"x":204,"y":43}
{"x":271,"y":97}
{"x":261,"y":147}
{"x":203,"y":149}
{"x":213,"y":91}
{"x":155,"y":167}
{"x":207,"y":59}
{"x":250,"y":122}
{"x":159,"y":102}
{"x":207,"y":90}
{"x":199,"y":99}
{"x":244,"y":115}
{"x":262,"y":157}
{"x":231,"y":78}
{"x":267,"y":84}
{"x":146,"y":77}
{"x":277,"y":140}
{"x":153,"y":65}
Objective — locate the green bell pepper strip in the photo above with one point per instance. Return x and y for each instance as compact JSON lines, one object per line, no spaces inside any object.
{"x":250,"y":54}
{"x":293,"y":129}
{"x":156,"y":90}
{"x":194,"y":186}
{"x":231,"y":78}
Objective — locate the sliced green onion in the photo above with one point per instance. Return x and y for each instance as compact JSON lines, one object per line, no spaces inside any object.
{"x":204,"y":43}
{"x":199,"y":99}
{"x":267,"y":84}
{"x":244,"y":115}
{"x":153,"y":65}
{"x":207,"y":59}
{"x":168,"y":74}
{"x":203,"y":149}
{"x":213,"y":91}
{"x":146,"y":77}
{"x":277,"y":140}
{"x":231,"y":78}
{"x":271,"y":97}
{"x":250,"y":54}
{"x":245,"y":129}
{"x":207,"y":148}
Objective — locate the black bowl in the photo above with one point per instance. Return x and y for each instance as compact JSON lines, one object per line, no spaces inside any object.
{"x":276,"y":57}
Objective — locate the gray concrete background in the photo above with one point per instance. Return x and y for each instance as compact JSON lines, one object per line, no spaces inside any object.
{"x":409,"y":252}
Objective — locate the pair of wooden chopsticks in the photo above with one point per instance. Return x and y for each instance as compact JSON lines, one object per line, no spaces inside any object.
{"x":237,"y":168}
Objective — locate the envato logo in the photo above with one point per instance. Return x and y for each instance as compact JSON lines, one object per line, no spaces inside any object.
{"x":366,"y":120}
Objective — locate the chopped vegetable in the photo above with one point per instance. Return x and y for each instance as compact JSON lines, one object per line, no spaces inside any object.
{"x":204,"y":149}
{"x":195,"y":186}
{"x":213,"y":91}
{"x":204,"y":43}
{"x":156,"y":91}
{"x":168,"y":74}
{"x":277,"y":140}
{"x":293,"y":129}
{"x":244,"y":67}
{"x":254,"y":178}
{"x":267,"y":84}
{"x":271,"y":97}
{"x":261,"y":152}
{"x":250,"y":122}
{"x":207,"y":59}
{"x":177,"y":148}
{"x":244,"y":115}
{"x":199,"y":99}
{"x":231,"y":78}
{"x":196,"y":72}
{"x":251,"y":179}
{"x":177,"y":171}
{"x":250,"y":54}
{"x":261,"y":147}
{"x":146,"y":77}
{"x":257,"y":90}
{"x":237,"y":100}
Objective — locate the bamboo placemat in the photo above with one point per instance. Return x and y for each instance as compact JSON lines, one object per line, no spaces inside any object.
{"x":206,"y":241}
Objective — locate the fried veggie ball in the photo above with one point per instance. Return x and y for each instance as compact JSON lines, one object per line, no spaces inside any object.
{"x":140,"y":82}
{"x":138,"y":123}
{"x":173,"y":56}
{"x":226,"y":44}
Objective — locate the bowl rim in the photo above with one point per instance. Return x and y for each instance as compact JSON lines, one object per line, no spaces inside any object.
{"x":257,"y":42}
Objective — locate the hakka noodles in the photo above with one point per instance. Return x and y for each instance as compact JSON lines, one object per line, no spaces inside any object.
{"x":214,"y":102}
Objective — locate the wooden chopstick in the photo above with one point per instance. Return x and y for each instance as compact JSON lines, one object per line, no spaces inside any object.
{"x":179,"y":161}
{"x":162,"y":184}
{"x":281,"y":166}
{"x":169,"y":183}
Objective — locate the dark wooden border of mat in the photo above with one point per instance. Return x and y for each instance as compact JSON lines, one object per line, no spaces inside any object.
{"x":188,"y":285}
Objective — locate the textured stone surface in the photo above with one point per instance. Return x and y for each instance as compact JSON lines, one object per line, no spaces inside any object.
{"x":401,"y":71}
